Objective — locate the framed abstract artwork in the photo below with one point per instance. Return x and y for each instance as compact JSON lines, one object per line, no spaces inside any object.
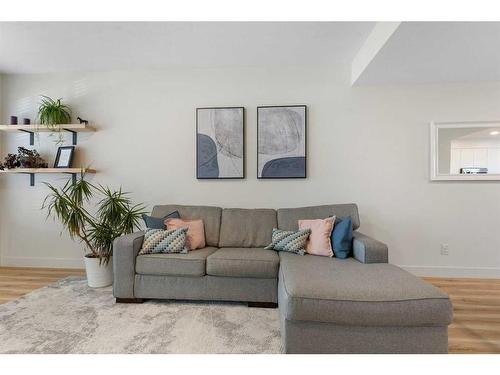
{"x":281,"y":141}
{"x":220,"y":143}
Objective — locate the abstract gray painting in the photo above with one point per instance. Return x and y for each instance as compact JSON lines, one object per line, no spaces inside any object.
{"x":281,"y":137}
{"x":220,"y":143}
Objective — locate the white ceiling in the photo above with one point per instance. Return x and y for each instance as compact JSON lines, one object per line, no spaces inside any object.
{"x":57,"y":47}
{"x":431,"y":52}
{"x":416,"y":52}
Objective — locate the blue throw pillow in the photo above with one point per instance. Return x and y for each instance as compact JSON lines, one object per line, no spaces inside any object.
{"x":158,"y":222}
{"x":342,"y":238}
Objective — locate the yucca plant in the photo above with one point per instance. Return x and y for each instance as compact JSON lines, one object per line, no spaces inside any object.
{"x":53,"y":112}
{"x":112,"y":216}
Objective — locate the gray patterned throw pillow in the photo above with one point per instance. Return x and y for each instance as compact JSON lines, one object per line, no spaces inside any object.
{"x":164,"y":241}
{"x":287,"y":240}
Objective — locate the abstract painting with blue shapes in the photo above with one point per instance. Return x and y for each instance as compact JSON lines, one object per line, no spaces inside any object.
{"x":281,"y":137}
{"x":220,"y":143}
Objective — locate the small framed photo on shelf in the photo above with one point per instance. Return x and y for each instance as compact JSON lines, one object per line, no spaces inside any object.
{"x":64,"y":157}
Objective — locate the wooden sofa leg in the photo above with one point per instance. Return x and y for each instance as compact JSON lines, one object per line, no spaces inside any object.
{"x":265,"y":305}
{"x":129,"y":300}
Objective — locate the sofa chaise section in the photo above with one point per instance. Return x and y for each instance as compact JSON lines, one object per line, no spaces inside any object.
{"x":356,"y":305}
{"x":344,"y":306}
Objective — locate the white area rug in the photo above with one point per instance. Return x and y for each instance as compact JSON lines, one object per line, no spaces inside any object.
{"x":70,"y":317}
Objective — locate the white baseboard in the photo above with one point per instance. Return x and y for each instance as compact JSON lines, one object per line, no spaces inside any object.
{"x":8,"y":261}
{"x":450,"y":271}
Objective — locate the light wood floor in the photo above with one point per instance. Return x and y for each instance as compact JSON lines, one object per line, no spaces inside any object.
{"x":476,"y":314}
{"x":476,"y":304}
{"x":15,"y":282}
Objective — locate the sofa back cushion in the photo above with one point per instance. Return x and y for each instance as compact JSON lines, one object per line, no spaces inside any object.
{"x":211,"y":217}
{"x":288,"y":218}
{"x":247,"y":227}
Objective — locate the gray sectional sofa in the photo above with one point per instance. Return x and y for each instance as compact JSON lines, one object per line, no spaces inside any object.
{"x":326,"y":305}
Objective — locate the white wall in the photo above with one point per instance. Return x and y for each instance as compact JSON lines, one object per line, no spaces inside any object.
{"x":2,"y":213}
{"x":367,"y":145}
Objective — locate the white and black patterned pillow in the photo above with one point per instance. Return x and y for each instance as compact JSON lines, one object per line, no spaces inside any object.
{"x":288,"y":240}
{"x":164,"y":241}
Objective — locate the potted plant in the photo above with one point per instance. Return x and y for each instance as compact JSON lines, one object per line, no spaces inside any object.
{"x":53,"y":112}
{"x":95,"y":215}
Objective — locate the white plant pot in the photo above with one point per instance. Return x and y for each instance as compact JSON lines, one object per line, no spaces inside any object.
{"x":98,"y":276}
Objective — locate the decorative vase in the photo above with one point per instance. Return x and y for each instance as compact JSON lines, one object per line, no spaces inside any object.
{"x":98,"y":275}
{"x":13,"y":120}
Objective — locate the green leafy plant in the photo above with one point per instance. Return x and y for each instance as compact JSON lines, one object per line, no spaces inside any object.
{"x":113,"y":215}
{"x":53,"y":112}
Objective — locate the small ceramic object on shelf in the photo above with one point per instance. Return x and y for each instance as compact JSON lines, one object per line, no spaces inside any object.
{"x":13,"y":120}
{"x":26,"y":121}
{"x":82,"y":121}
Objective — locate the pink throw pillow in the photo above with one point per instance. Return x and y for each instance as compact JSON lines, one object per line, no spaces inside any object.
{"x":319,"y":242}
{"x":195,"y":234}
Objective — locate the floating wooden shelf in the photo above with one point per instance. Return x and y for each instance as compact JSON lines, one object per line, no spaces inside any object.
{"x":48,"y":170}
{"x":79,"y":128}
{"x":32,"y":171}
{"x":38,"y":128}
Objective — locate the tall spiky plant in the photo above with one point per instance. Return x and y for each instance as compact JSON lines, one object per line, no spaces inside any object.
{"x":53,"y":112}
{"x":114,"y":215}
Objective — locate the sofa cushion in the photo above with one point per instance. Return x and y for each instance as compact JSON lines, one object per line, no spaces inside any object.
{"x":288,"y":218}
{"x":210,"y":215}
{"x":243,"y":262}
{"x":247,"y":227}
{"x":191,"y":264}
{"x":347,"y":292}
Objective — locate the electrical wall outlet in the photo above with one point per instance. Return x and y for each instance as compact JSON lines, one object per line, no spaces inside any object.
{"x":445,"y":249}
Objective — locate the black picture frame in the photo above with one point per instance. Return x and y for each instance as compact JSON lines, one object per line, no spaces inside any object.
{"x":199,"y":176}
{"x":70,"y":159}
{"x":305,"y":141}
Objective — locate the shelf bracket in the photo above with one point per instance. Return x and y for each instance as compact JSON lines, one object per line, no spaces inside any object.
{"x":73,"y":178}
{"x":32,"y":137}
{"x":32,"y":179}
{"x":75,"y":136}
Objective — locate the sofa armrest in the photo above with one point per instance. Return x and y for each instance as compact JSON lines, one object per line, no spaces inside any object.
{"x":369,"y":250}
{"x":125,"y":250}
